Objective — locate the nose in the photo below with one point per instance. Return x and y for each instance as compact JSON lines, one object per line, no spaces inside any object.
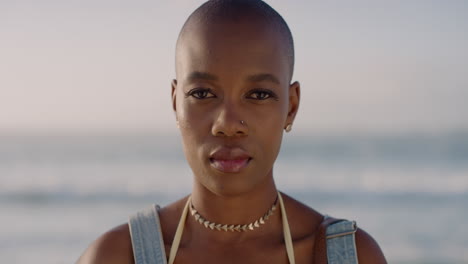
{"x":228,"y":122}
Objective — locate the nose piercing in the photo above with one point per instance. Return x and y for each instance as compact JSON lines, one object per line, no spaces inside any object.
{"x":242,"y":122}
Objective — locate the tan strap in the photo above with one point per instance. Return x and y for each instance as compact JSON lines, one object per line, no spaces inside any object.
{"x":179,"y":232}
{"x":286,"y":232}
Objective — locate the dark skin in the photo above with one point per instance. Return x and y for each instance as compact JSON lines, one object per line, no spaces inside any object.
{"x":222,"y":79}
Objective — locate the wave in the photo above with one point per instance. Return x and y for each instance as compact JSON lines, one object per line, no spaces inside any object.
{"x":387,"y":199}
{"x":138,"y":166}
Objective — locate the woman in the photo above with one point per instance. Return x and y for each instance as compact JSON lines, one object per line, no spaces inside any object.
{"x":233,"y":98}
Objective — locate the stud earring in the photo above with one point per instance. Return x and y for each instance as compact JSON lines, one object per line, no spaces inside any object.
{"x":288,"y":128}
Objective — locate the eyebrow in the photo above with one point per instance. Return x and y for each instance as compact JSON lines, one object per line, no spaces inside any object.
{"x":196,"y":75}
{"x":263,"y":77}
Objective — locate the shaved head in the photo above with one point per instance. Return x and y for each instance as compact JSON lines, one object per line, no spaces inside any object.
{"x":234,"y":64}
{"x":253,"y":12}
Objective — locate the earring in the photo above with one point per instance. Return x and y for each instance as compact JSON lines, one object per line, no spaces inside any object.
{"x":288,"y":127}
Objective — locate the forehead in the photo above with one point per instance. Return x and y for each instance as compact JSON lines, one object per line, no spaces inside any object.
{"x":232,"y":50}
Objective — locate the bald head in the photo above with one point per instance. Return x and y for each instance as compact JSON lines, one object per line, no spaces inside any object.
{"x":255,"y":13}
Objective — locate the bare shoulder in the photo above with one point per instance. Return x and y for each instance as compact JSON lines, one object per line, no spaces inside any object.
{"x":367,"y":249}
{"x":169,"y":218}
{"x":302,"y":215}
{"x":305,"y":221}
{"x":114,"y":246}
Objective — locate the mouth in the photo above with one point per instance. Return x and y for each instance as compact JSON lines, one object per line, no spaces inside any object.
{"x":230,"y":166}
{"x":229,"y":160}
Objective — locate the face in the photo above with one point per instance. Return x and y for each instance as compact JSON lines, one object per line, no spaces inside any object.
{"x":232,"y":100}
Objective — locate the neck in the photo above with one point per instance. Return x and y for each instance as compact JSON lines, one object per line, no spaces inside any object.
{"x":241,"y":208}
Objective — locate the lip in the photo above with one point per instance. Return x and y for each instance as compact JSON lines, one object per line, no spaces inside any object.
{"x":229,"y":160}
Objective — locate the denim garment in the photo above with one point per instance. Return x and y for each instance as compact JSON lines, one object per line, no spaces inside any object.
{"x":341,"y":245}
{"x":148,"y":245}
{"x":147,"y":241}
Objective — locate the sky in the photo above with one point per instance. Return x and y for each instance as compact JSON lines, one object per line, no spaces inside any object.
{"x":102,"y":65}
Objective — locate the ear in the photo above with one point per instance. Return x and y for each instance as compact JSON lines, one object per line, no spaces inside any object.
{"x":174,"y":98}
{"x":173,"y":95}
{"x":294,"y":99}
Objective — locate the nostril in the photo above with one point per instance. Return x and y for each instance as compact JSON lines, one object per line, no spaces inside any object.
{"x":219,"y":133}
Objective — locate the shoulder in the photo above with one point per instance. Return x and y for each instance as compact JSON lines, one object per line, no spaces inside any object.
{"x":368,"y":250}
{"x":169,"y":216}
{"x":303,"y":220}
{"x":114,"y":246}
{"x":305,"y":224}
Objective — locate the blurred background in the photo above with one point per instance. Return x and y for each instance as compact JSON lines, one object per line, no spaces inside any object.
{"x":88,"y":136}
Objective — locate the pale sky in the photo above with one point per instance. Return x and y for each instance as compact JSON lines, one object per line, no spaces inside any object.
{"x":106,"y":65}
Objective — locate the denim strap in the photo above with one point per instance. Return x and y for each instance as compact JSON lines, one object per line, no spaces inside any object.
{"x":341,"y":246}
{"x":147,"y":241}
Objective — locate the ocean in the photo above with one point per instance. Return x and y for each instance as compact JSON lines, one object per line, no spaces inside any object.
{"x":409,"y":191}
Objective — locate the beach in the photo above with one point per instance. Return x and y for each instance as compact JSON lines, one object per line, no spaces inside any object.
{"x":409,"y":191}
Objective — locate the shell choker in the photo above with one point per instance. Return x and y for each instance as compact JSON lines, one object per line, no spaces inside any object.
{"x":231,"y":227}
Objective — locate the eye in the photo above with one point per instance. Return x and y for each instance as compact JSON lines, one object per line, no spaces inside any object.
{"x":262,"y":94}
{"x":200,"y":93}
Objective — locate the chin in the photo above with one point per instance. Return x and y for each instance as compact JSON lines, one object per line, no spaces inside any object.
{"x":231,"y":184}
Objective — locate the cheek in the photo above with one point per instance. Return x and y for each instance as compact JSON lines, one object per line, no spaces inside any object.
{"x":271,"y":138}
{"x":188,"y":118}
{"x":194,"y":128}
{"x":194,"y":124}
{"x":270,"y":130}
{"x":269,"y":133}
{"x":270,"y":121}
